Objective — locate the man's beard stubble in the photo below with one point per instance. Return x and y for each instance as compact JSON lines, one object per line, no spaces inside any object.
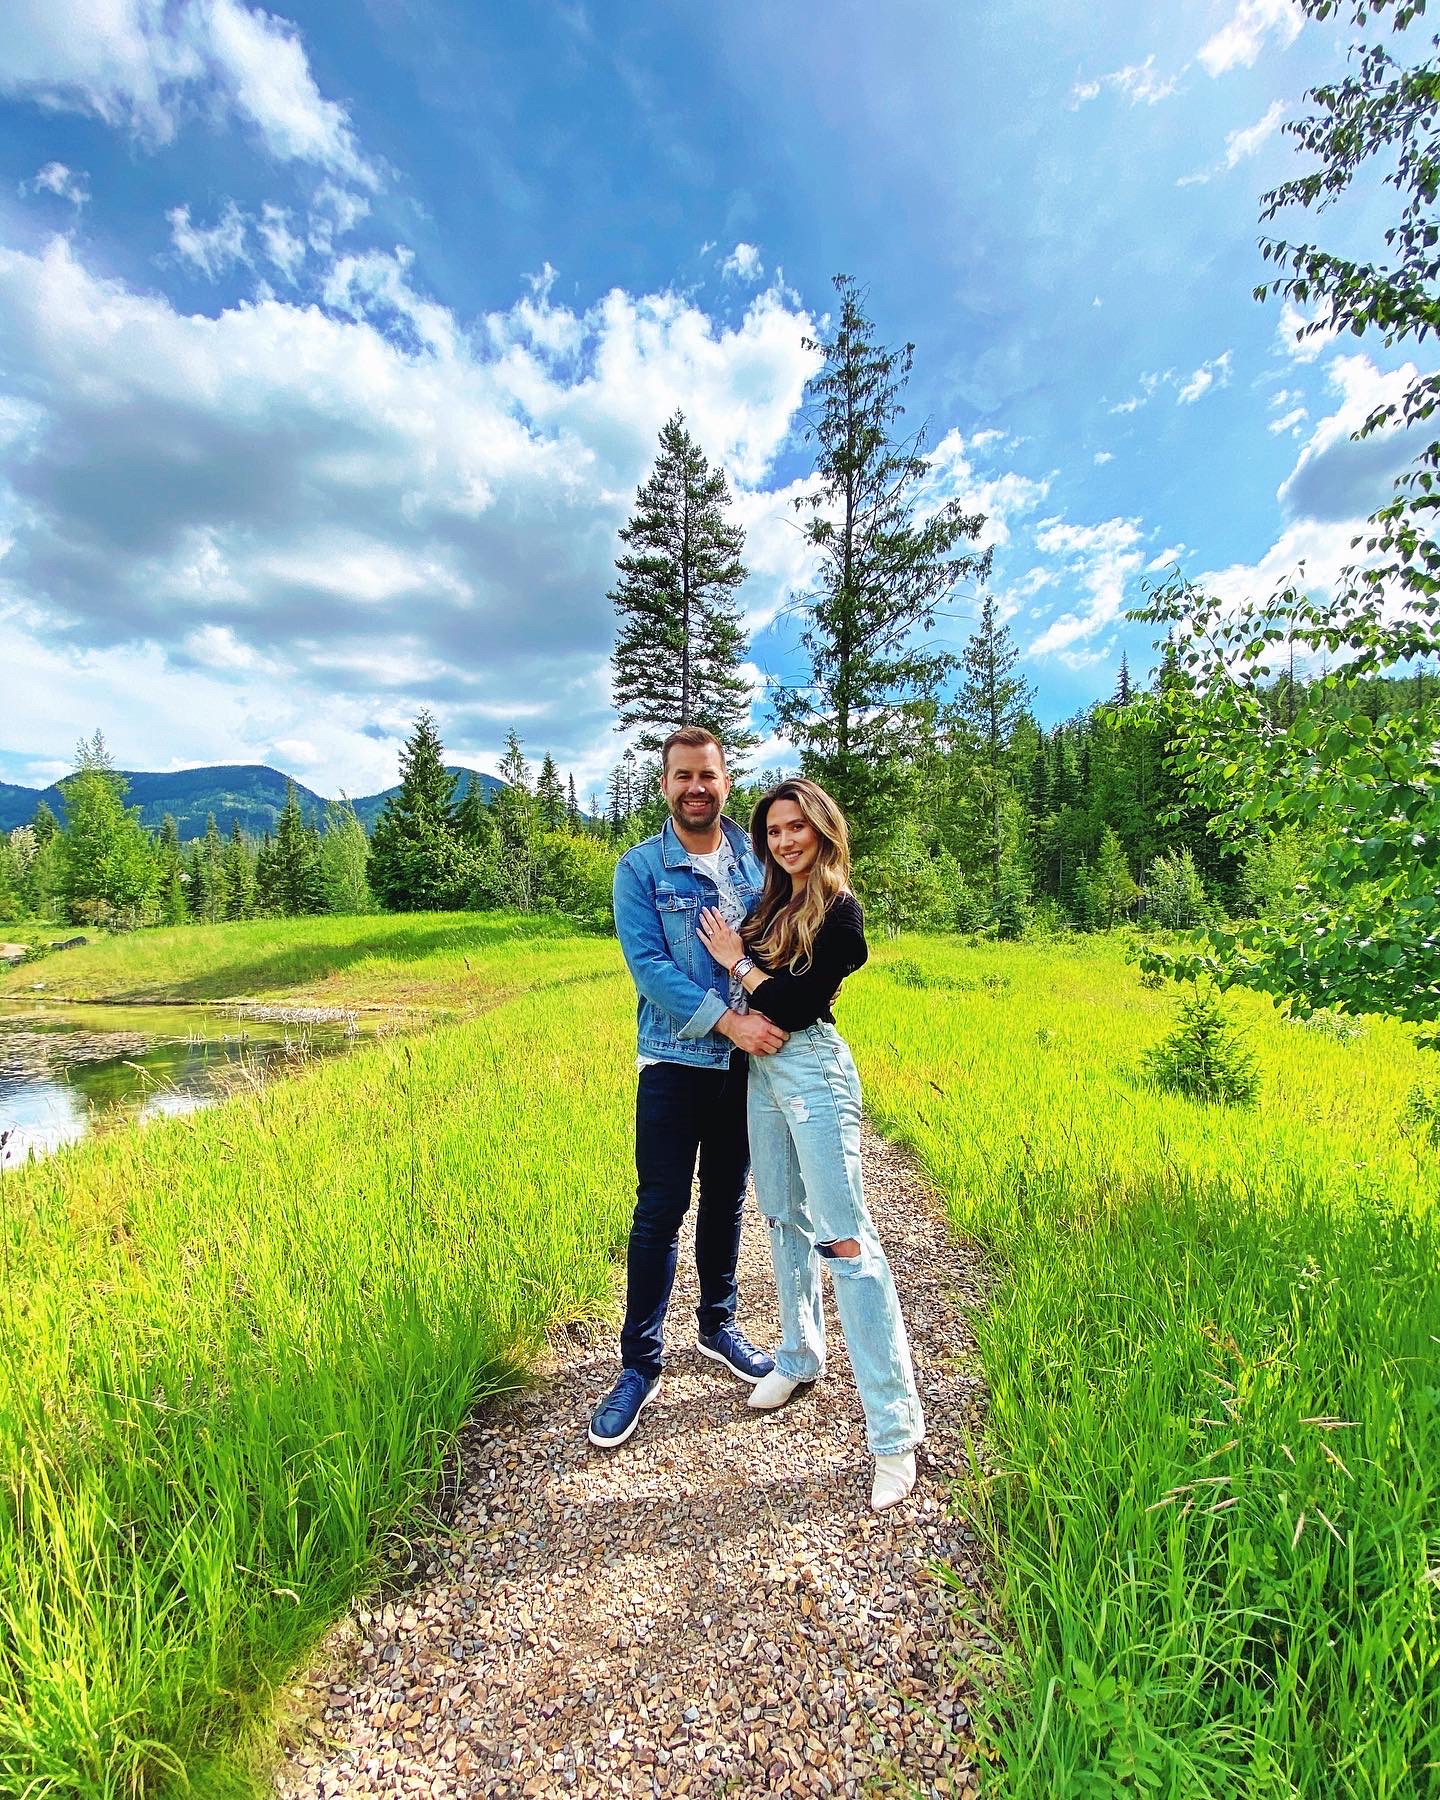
{"x":694,"y":819}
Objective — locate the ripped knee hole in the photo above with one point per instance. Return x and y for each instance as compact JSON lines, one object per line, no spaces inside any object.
{"x":840,"y":1247}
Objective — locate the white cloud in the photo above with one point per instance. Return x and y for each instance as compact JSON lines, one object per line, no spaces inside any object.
{"x":330,"y":518}
{"x":1002,"y":498}
{"x":211,"y":249}
{"x":1290,"y":421}
{"x":1167,"y":559}
{"x":263,"y":62}
{"x":281,"y":245}
{"x":1335,"y":478}
{"x":1299,"y":338}
{"x":1099,"y":559}
{"x":1104,"y":456}
{"x":1240,"y":145}
{"x":1140,"y":83}
{"x":1204,"y":378}
{"x":65,"y":183}
{"x":147,"y":65}
{"x":743,"y":264}
{"x":1239,"y":41}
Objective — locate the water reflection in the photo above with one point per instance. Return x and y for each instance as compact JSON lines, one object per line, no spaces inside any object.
{"x":66,"y":1072}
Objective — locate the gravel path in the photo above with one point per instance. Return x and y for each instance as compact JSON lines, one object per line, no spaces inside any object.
{"x":709,"y":1610}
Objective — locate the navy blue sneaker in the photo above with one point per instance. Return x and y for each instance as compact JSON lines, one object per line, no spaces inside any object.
{"x":731,"y":1347}
{"x":618,"y":1413}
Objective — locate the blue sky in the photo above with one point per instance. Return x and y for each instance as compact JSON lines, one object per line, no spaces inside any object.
{"x":334,"y":341}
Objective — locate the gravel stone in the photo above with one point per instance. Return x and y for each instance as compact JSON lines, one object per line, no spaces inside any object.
{"x":709,"y":1610}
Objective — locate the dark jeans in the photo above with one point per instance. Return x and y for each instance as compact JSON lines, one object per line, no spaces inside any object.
{"x":682,"y":1113}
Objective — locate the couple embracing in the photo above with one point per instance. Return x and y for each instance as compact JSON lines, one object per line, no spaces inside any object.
{"x":737,"y":947}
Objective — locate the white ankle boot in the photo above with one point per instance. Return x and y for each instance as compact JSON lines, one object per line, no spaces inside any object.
{"x":771,"y":1391}
{"x":894,"y":1478}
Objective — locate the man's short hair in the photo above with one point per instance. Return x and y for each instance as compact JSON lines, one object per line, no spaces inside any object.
{"x":693,"y":737}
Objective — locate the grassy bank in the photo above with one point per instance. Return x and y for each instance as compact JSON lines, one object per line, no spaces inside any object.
{"x":444,"y":960}
{"x":1215,"y":1424}
{"x":236,"y":1344}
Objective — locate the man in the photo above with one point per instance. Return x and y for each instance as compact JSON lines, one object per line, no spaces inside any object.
{"x":695,"y":1037}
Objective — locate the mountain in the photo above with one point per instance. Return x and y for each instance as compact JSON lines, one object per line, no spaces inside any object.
{"x":249,"y":792}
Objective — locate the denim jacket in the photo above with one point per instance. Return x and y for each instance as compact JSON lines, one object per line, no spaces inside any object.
{"x":683,"y":990}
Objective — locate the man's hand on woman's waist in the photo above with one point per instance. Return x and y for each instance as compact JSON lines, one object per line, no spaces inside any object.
{"x":751,"y":1032}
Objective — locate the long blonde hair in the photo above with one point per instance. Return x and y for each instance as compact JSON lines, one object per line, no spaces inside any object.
{"x":782,"y":928}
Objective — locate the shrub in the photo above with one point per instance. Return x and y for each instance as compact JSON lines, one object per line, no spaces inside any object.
{"x":1205,"y":1057}
{"x":1420,"y":1113}
{"x":1343,"y":1028}
{"x":1174,"y":892}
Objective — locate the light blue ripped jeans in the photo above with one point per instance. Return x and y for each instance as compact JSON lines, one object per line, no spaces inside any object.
{"x":804,"y":1113}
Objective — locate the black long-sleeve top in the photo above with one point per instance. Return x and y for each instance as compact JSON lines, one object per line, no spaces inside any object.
{"x":794,"y":1002}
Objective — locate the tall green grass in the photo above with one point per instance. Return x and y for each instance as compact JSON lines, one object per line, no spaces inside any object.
{"x":447,"y":960}
{"x":236,"y":1345}
{"x":1212,"y":1475}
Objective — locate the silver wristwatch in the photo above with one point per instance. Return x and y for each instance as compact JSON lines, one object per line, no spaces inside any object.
{"x":743,"y":967}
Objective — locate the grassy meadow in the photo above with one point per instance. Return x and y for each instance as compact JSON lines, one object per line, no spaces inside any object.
{"x":1212,"y":1474}
{"x":236,"y":1345}
{"x":451,"y":961}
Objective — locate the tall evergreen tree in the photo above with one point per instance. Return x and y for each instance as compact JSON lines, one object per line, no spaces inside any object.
{"x":550,"y":796}
{"x":989,"y":706}
{"x":1124,"y":691}
{"x":475,"y":817}
{"x":210,"y":870}
{"x":417,"y":862}
{"x":172,"y":880}
{"x":44,"y":825}
{"x":572,"y":806}
{"x":238,"y":876}
{"x":299,"y":884}
{"x":679,"y":645}
{"x":886,"y":566}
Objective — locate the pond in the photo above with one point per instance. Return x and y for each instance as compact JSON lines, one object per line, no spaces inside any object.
{"x":66,"y":1071}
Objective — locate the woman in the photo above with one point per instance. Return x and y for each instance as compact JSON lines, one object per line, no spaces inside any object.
{"x":804,"y":937}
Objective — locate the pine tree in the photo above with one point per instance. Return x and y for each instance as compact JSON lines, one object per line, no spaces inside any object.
{"x":210,"y":870}
{"x":572,"y":807}
{"x":1124,"y":692}
{"x":989,"y":706}
{"x":299,"y":885}
{"x":268,"y":900}
{"x":417,"y":860}
{"x":550,"y":796}
{"x":173,"y":882}
{"x":886,"y":567}
{"x":679,"y":645}
{"x":238,"y":876}
{"x":45,"y":825}
{"x":474,"y":817}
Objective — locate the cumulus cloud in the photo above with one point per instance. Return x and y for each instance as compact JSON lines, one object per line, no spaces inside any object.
{"x":743,"y":264}
{"x":347,"y":511}
{"x":146,"y":65}
{"x":1097,"y":559}
{"x":1239,"y":41}
{"x":65,"y":183}
{"x":212,"y":249}
{"x":1335,"y":478}
{"x":1104,"y":456}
